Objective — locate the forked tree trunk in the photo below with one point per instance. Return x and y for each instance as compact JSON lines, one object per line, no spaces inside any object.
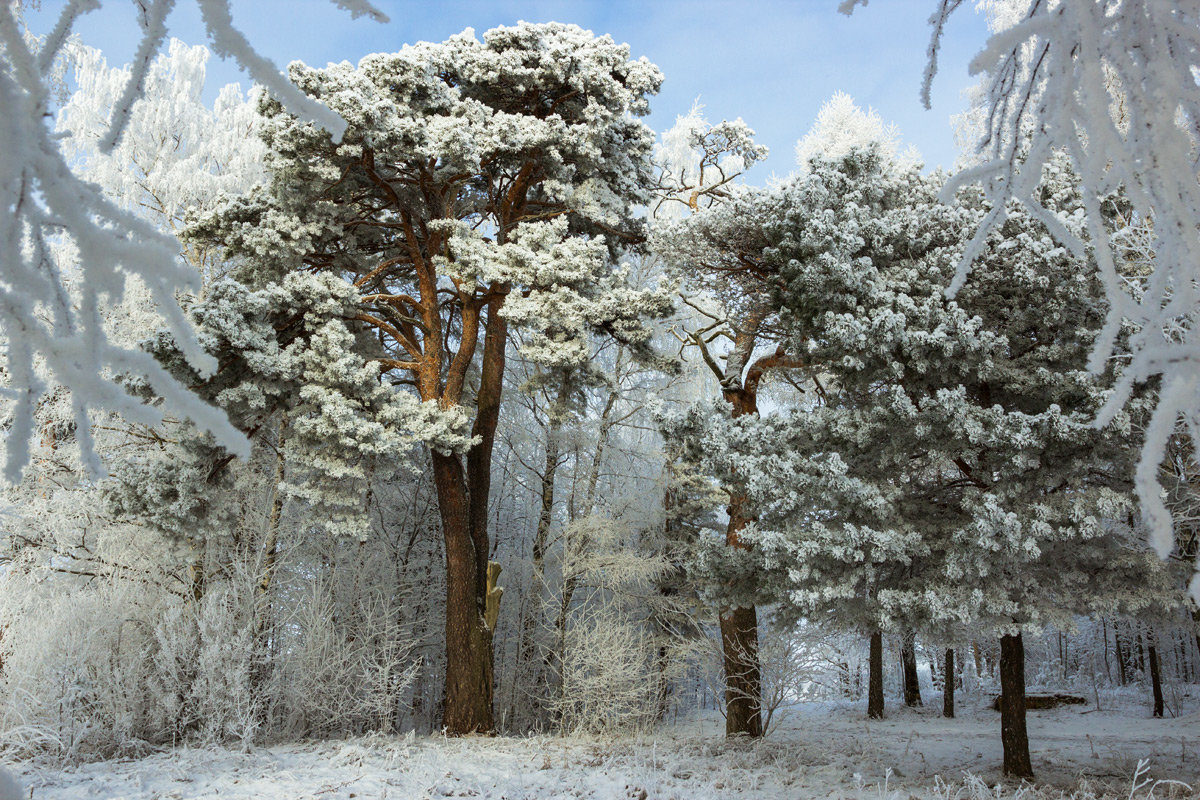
{"x":463,"y":505}
{"x":1013,"y":734}
{"x":739,"y":626}
{"x":875,"y":677}
{"x":1155,"y":677}
{"x":468,"y":701}
{"x":912,"y":683}
{"x":948,"y":692}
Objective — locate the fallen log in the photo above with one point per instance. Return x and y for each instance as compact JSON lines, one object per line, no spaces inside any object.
{"x":1039,"y":700}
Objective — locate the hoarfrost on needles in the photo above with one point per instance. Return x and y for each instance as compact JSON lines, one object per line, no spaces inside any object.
{"x":1112,"y":84}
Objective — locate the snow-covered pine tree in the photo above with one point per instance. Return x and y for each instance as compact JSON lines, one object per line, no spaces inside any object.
{"x":945,"y":472}
{"x":1058,"y":83}
{"x":706,"y":234}
{"x":480,"y":184}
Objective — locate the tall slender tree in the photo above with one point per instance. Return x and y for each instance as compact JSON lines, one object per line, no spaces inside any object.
{"x":479,"y":185}
{"x":716,"y":247}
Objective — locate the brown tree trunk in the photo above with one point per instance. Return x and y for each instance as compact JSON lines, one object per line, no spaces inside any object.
{"x":739,"y":644}
{"x":875,"y":677}
{"x":463,"y":505}
{"x":743,"y":686}
{"x":1013,"y":734}
{"x":948,"y":691}
{"x":908,"y":659}
{"x":468,"y":701}
{"x":1155,"y":677}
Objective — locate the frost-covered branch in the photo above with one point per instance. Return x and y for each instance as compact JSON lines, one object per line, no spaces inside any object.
{"x":52,"y":326}
{"x":1112,"y":84}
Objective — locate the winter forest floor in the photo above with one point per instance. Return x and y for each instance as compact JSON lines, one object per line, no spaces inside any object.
{"x":817,"y":750}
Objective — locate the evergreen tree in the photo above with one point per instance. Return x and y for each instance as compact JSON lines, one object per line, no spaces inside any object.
{"x":946,"y":473}
{"x":479,"y":185}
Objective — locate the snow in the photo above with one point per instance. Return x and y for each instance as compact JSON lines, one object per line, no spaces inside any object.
{"x":820,"y":749}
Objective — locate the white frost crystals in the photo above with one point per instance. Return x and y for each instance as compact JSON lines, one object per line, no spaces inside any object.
{"x":52,"y":329}
{"x":1112,"y":84}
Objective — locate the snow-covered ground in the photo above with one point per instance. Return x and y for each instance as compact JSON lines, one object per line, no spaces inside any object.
{"x":818,"y":750}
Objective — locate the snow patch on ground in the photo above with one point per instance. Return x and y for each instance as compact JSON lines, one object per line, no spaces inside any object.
{"x":818,"y":750}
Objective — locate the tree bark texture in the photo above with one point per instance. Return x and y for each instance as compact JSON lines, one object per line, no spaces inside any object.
{"x":743,"y":681}
{"x":912,"y":683}
{"x":875,"y":677}
{"x":1155,"y":679}
{"x":948,"y":691}
{"x":1013,"y":733}
{"x":468,"y":700}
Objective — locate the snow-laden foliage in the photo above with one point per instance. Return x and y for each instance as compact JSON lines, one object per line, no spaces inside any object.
{"x":945,"y":472}
{"x":51,"y":313}
{"x":842,"y":126}
{"x":1111,"y":84}
{"x":699,"y":162}
{"x":178,"y":153}
{"x":286,"y":349}
{"x":411,"y":127}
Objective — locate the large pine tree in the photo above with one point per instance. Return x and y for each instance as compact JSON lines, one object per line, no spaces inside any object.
{"x":946,"y":471}
{"x":479,"y":185}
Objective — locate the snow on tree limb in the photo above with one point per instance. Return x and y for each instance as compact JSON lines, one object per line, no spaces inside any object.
{"x":50,"y":313}
{"x":1112,"y":84}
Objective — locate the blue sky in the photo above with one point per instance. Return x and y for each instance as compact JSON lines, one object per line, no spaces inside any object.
{"x":771,"y":62}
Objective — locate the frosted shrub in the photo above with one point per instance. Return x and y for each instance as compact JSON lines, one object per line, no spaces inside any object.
{"x":74,"y":666}
{"x":203,"y":663}
{"x":341,"y":670}
{"x":610,"y":680}
{"x":619,"y":648}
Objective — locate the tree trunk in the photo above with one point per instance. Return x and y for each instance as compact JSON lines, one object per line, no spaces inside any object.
{"x":948,"y":680}
{"x":1155,"y":677}
{"x":739,"y":626}
{"x":1107,"y":666}
{"x":743,"y":682}
{"x":739,"y":644}
{"x":875,"y":677}
{"x":1013,"y":734}
{"x":1196,"y":628}
{"x":468,"y":701}
{"x":532,"y":619}
{"x":463,"y":505}
{"x":908,"y":658}
{"x":1121,"y":674}
{"x":270,"y":556}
